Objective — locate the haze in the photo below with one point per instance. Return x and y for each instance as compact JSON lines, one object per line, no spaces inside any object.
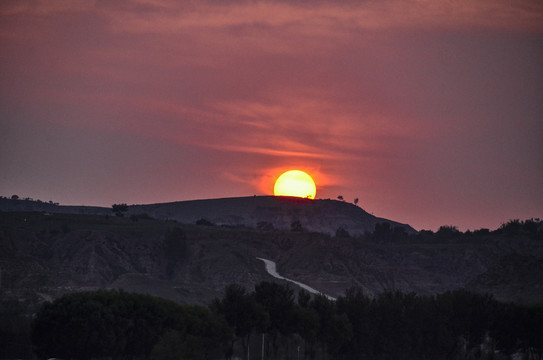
{"x":429,"y":112}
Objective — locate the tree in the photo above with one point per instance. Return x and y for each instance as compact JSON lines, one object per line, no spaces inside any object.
{"x":532,"y":228}
{"x":340,"y":197}
{"x":119,"y":209}
{"x":356,"y":201}
{"x":175,"y":249}
{"x":382,"y":231}
{"x":342,"y":233}
{"x":278,"y":301}
{"x":356,"y":307}
{"x":242,"y":313}
{"x":14,"y":330}
{"x":296,"y":226}
{"x":304,"y":298}
{"x":466,"y":314}
{"x":104,"y":324}
{"x":334,"y":329}
{"x":447,"y":232}
{"x":170,"y":347}
{"x":307,"y":326}
{"x":75,"y":327}
{"x":204,"y":222}
{"x":204,"y":335}
{"x":507,"y":327}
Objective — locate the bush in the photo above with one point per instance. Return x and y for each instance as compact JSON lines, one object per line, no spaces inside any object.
{"x":204,"y":222}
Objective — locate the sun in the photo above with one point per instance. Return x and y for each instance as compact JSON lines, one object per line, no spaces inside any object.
{"x":295,"y":183}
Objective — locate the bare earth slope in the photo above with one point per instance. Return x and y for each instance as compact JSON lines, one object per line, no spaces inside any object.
{"x":45,"y":255}
{"x":324,"y":216}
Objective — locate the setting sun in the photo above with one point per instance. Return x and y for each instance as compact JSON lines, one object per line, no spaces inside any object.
{"x":295,"y":183}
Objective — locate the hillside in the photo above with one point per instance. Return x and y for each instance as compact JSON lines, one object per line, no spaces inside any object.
{"x":325,"y":216}
{"x":43,"y":255}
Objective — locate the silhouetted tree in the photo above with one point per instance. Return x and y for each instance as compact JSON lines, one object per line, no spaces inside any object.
{"x":119,"y":209}
{"x":204,"y":222}
{"x":175,"y":249}
{"x":304,"y":298}
{"x":115,"y":324}
{"x":278,"y":301}
{"x":340,"y":197}
{"x":447,"y":232}
{"x":356,"y":307}
{"x":334,"y":330}
{"x":532,"y":228}
{"x":15,"y":342}
{"x":202,"y":336}
{"x":296,"y":226}
{"x":356,"y":201}
{"x":307,"y":326}
{"x":467,"y":315}
{"x":382,"y":231}
{"x":242,"y":313}
{"x":342,"y":233}
{"x":392,"y":325}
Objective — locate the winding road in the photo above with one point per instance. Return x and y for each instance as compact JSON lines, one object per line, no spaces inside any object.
{"x":271,"y":268}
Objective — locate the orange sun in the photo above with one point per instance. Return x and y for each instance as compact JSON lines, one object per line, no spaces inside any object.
{"x":295,"y":183}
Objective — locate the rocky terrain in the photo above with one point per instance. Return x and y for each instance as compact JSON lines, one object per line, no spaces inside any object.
{"x":44,"y":254}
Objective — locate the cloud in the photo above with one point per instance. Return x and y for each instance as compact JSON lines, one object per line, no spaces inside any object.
{"x":44,"y":7}
{"x":326,"y":17}
{"x":381,"y":99}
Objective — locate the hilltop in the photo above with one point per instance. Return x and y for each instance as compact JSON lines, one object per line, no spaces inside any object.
{"x":324,"y":216}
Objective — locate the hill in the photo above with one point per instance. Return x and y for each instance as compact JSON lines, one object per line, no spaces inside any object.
{"x":325,"y":216}
{"x":44,"y":255}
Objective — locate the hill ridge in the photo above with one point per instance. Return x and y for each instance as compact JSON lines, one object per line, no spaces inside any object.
{"x":319,"y":215}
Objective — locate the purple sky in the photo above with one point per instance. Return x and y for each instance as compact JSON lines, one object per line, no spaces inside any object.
{"x":430,"y":112}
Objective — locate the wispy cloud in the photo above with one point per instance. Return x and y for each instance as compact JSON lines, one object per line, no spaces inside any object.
{"x":380,"y":96}
{"x":328,"y":18}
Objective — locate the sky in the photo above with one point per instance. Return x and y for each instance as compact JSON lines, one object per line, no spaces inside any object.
{"x":429,"y":112}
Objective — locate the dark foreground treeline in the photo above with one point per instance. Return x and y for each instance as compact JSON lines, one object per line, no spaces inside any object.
{"x":120,"y":325}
